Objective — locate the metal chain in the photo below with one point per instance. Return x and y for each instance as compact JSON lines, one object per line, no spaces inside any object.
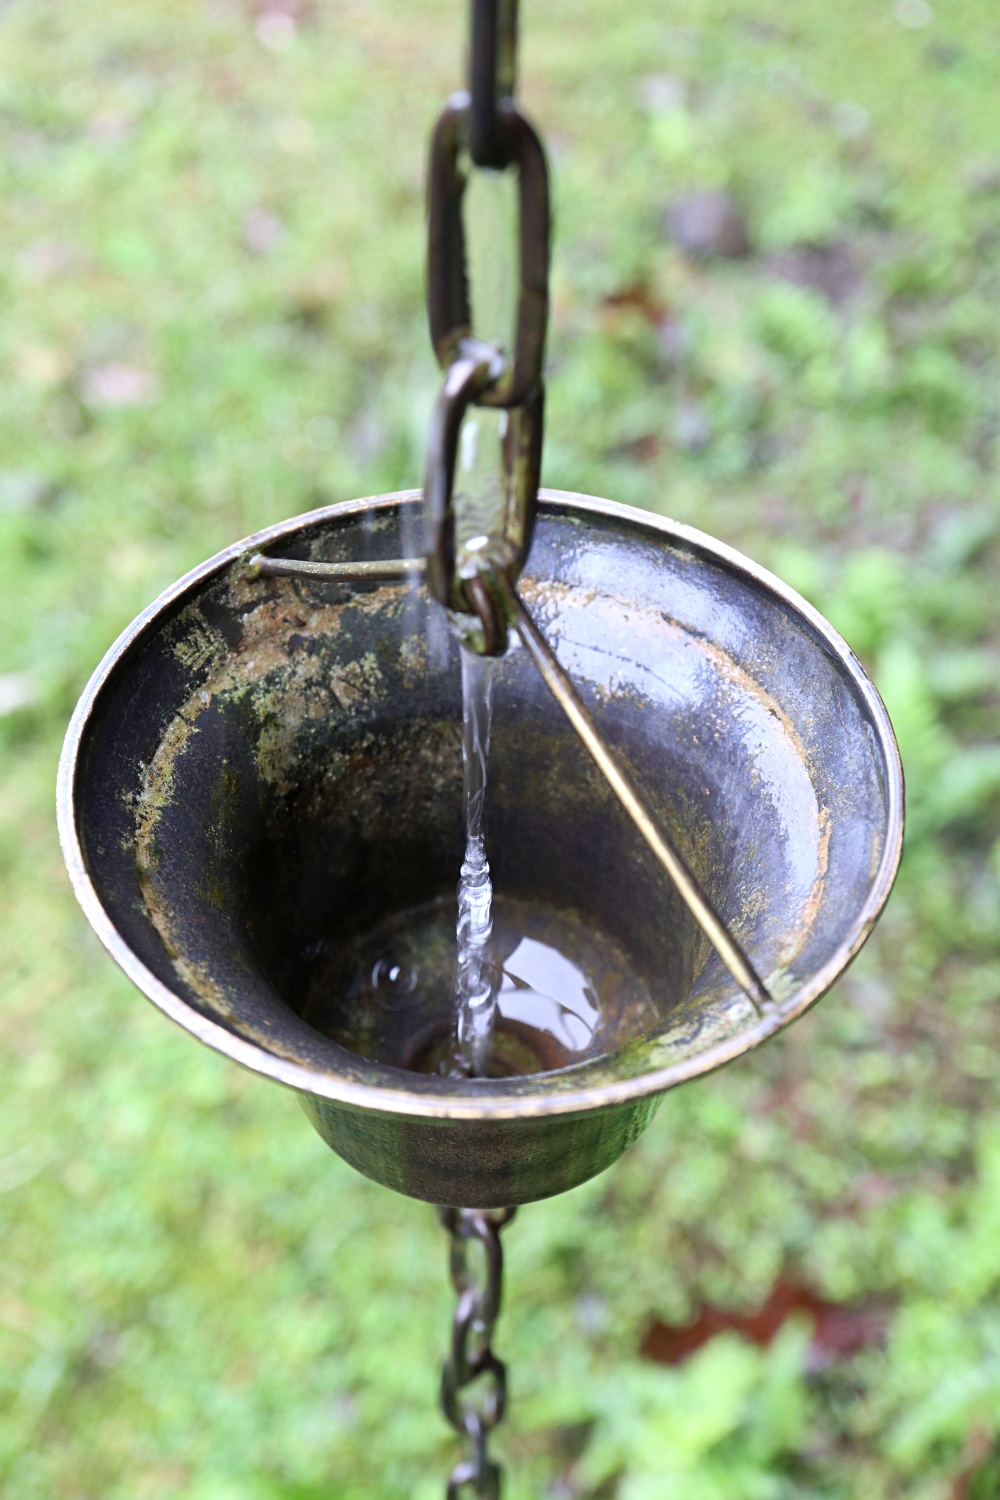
{"x":484,"y":124}
{"x":473,"y":1379}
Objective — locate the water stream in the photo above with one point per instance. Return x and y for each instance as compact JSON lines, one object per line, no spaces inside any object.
{"x":475,"y":968}
{"x":479,"y":507}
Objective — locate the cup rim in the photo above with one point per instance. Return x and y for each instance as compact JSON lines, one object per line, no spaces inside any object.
{"x":542,"y":1094}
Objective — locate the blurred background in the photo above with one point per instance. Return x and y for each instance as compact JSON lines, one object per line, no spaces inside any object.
{"x":777,"y":317}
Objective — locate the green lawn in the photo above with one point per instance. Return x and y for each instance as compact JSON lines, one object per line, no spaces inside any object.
{"x":211,"y":268}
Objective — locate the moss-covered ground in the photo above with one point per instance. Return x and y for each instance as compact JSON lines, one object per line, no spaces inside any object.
{"x":211,"y":279}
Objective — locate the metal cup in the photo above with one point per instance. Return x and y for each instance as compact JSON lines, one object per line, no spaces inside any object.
{"x":262,"y":767}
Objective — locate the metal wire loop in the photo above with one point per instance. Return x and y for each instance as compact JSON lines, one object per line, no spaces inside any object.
{"x":522,"y":459}
{"x":487,"y":1296}
{"x":463,"y":379}
{"x":493,"y":1395}
{"x":486,"y":608}
{"x":478,"y":1473}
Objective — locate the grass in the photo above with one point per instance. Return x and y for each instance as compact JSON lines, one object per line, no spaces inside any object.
{"x":211,"y":272}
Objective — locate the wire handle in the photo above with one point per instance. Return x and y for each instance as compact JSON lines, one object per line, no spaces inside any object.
{"x":560,"y":685}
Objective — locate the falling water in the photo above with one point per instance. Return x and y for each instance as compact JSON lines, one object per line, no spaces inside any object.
{"x":479,"y":506}
{"x":475,"y":972}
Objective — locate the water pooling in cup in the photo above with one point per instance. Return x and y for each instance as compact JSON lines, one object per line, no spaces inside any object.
{"x":563,"y":990}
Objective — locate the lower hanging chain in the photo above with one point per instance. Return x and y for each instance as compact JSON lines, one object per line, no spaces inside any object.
{"x":473,"y":1379}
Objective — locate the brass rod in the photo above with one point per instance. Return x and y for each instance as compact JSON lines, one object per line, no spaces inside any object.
{"x":350,"y":572}
{"x":634,"y":803}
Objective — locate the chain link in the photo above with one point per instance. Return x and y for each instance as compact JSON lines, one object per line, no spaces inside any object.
{"x":473,"y":1379}
{"x":486,"y":126}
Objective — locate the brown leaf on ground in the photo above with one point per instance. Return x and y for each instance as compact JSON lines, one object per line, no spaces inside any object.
{"x":638,"y":298}
{"x":838,"y":1330}
{"x":641,"y":450}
